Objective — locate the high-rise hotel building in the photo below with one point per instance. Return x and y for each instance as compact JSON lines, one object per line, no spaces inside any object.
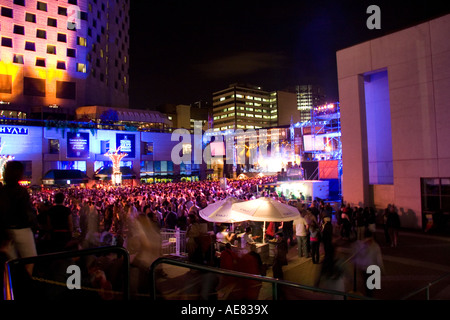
{"x":250,"y":107}
{"x":56,"y":56}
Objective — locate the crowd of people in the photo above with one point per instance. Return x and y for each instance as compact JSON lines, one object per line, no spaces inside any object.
{"x":47,"y":220}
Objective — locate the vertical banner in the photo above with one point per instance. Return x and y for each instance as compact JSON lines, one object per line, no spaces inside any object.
{"x":77,"y":145}
{"x":127,"y":144}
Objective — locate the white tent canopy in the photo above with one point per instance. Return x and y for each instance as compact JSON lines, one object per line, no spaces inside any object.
{"x":221,"y":212}
{"x":266,"y":209}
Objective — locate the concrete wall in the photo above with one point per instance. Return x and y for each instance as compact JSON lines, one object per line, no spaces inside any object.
{"x":417,"y":61}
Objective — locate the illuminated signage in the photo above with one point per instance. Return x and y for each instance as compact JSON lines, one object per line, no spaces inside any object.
{"x":14,"y":130}
{"x":77,"y":145}
{"x":127,"y":144}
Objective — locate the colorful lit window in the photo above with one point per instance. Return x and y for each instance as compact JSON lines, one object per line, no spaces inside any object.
{"x":30,"y":17}
{"x":41,"y":6}
{"x":81,"y":67}
{"x":51,"y":22}
{"x":42,"y":34}
{"x":18,"y":58}
{"x":62,"y":11}
{"x":81,"y":41}
{"x":51,"y":49}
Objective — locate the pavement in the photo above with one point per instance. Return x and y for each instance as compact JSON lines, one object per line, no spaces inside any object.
{"x":418,"y":260}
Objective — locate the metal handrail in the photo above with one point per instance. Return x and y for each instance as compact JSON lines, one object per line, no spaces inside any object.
{"x":274,"y":281}
{"x":427,"y":287}
{"x":65,"y":255}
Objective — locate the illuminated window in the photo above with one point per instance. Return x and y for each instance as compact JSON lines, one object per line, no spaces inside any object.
{"x":61,"y":65}
{"x":7,"y":12}
{"x":51,"y":49}
{"x":42,"y":34}
{"x":18,"y":58}
{"x":53,"y":146}
{"x":81,"y":67}
{"x":41,"y":6}
{"x":19,"y":29}
{"x":40,"y":62}
{"x":81,"y":41}
{"x":7,"y":42}
{"x":30,"y":46}
{"x":51,"y":22}
{"x":30,"y":17}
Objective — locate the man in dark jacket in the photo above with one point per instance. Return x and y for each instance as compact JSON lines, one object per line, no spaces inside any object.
{"x":327,"y":240}
{"x":60,"y":223}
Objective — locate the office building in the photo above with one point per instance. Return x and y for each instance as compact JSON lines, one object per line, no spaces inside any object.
{"x":308,"y":97}
{"x":243,"y":106}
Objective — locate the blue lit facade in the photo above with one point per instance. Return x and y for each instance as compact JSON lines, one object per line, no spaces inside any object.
{"x":45,"y":148}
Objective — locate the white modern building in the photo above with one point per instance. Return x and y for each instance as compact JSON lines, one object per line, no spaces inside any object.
{"x":395,"y":116}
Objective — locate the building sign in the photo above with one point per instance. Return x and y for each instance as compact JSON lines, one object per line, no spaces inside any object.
{"x":127,"y":144}
{"x":14,"y":130}
{"x":77,"y":145}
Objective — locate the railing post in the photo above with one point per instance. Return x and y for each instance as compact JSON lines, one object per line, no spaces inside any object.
{"x":177,"y":244}
{"x":275,"y":290}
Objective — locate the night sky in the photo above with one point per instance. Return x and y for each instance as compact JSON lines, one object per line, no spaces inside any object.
{"x":183,"y":51}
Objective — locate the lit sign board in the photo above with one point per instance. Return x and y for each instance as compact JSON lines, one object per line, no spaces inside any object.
{"x":77,"y":145}
{"x":127,"y":144}
{"x":14,"y":130}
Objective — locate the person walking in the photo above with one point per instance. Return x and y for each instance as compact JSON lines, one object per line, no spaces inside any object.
{"x":367,"y":253}
{"x":280,"y":258}
{"x":60,"y":224}
{"x":301,"y":232}
{"x":327,"y":240}
{"x":17,"y":215}
{"x":314,"y":239}
{"x":393,"y":225}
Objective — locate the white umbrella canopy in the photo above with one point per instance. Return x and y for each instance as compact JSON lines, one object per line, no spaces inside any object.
{"x":266,"y":209}
{"x":221,"y":211}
